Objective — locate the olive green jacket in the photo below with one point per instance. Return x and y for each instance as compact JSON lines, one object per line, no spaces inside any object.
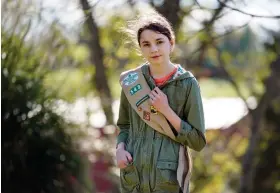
{"x":155,"y":156}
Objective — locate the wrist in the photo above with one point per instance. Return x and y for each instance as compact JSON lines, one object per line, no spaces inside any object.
{"x":121,"y":146}
{"x":166,"y":111}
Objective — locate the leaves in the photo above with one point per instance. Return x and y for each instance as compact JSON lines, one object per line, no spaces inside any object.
{"x":37,"y":151}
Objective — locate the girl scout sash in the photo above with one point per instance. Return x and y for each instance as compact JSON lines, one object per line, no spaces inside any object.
{"x":137,"y":91}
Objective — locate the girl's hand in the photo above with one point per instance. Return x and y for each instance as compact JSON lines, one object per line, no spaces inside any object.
{"x":123,"y":158}
{"x":159,"y":100}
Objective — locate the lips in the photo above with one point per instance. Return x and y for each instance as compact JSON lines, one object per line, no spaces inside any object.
{"x":154,"y":57}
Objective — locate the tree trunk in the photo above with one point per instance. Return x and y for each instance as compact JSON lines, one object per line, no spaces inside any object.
{"x":272,"y":92}
{"x":97,"y":55}
{"x":267,"y":173}
{"x":170,"y":10}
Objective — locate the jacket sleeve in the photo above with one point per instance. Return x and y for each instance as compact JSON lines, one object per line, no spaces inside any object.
{"x":123,"y":121}
{"x":192,"y":128}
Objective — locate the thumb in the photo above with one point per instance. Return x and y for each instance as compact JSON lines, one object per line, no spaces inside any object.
{"x":128,"y":156}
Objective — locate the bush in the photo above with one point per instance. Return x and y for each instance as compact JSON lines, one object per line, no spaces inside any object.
{"x":37,"y":154}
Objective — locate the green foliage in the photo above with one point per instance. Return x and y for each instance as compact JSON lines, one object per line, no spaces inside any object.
{"x":217,"y":169}
{"x":79,"y":53}
{"x":119,"y":52}
{"x":66,"y":82}
{"x":69,"y":64}
{"x":268,"y":165}
{"x":37,"y":153}
{"x":244,"y":60}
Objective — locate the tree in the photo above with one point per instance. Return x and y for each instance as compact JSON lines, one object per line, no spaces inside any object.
{"x":265,"y":113}
{"x":97,"y":58}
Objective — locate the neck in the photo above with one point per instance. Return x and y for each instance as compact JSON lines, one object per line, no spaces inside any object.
{"x":160,"y":70}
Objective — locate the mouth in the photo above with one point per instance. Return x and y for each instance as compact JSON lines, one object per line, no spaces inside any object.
{"x":155,"y":57}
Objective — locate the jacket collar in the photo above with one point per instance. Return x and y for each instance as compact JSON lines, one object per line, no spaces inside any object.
{"x":179,"y":75}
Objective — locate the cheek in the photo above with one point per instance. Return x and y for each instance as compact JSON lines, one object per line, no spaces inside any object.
{"x":144,"y":51}
{"x":167,"y":48}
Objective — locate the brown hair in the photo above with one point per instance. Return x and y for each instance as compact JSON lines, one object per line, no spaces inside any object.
{"x":153,"y":21}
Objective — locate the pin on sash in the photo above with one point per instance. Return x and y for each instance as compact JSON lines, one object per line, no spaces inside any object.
{"x":153,"y":109}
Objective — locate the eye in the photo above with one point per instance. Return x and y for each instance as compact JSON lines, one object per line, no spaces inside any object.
{"x":145,"y":45}
{"x":159,"y":42}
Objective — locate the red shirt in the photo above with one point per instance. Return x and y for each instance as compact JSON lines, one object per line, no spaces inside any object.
{"x":161,"y":81}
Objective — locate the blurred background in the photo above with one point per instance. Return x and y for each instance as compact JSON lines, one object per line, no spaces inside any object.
{"x":60,"y":64}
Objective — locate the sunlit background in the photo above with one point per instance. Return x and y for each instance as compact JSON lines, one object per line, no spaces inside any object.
{"x":60,"y":64}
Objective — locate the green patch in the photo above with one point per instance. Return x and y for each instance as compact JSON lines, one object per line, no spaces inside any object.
{"x":135,"y":89}
{"x":146,"y":97}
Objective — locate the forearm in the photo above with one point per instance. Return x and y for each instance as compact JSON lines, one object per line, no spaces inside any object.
{"x":173,"y":118}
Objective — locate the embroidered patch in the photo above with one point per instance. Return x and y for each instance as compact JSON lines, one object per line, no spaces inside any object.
{"x":130,"y":79}
{"x":138,"y":103}
{"x":180,"y":70}
{"x":146,"y":115}
{"x":135,"y":89}
{"x":153,"y":109}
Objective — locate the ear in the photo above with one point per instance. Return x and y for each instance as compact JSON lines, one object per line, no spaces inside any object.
{"x":172,"y":45}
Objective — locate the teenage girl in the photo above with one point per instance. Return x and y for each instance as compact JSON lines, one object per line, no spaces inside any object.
{"x":147,"y":159}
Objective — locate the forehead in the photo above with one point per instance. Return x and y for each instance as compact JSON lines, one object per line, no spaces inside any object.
{"x":150,"y":35}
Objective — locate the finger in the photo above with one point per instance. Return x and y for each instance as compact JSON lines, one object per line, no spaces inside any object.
{"x":153,"y":92}
{"x":129,"y":157}
{"x":158,"y":90}
{"x":151,"y":97}
{"x":157,"y":96}
{"x":160,"y":93}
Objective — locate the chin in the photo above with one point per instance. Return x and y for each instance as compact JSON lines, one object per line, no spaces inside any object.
{"x":155,"y":63}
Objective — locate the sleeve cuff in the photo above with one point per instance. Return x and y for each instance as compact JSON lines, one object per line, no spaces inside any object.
{"x":122,"y":137}
{"x":185,"y":128}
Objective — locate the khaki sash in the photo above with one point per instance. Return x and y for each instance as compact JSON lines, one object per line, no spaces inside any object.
{"x":137,"y":92}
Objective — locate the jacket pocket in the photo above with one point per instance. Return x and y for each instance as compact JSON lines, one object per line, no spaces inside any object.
{"x":129,"y":178}
{"x":167,"y":172}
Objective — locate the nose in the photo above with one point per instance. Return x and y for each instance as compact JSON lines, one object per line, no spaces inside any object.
{"x":154,"y":48}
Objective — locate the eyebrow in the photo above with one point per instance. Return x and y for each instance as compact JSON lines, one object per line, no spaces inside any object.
{"x":156,"y":40}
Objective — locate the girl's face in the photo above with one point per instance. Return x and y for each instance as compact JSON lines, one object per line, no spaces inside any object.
{"x":155,"y":47}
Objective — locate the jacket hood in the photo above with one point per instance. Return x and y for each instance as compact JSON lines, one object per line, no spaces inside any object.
{"x":179,"y":75}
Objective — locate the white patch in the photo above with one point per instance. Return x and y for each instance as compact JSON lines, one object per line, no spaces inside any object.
{"x":130,"y":79}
